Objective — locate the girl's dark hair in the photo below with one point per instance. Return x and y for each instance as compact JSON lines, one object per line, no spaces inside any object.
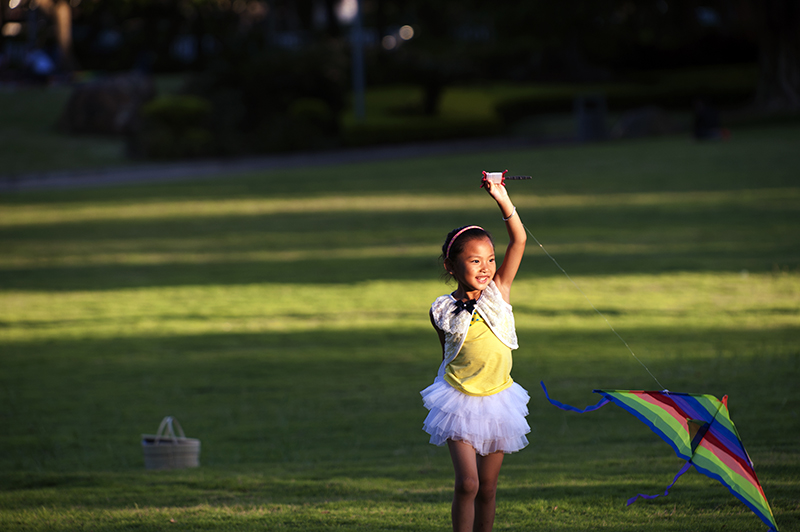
{"x":458,"y":245}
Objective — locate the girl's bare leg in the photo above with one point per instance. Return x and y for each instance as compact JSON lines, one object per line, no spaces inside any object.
{"x":475,"y":487}
{"x":466,"y":485}
{"x":488,"y":471}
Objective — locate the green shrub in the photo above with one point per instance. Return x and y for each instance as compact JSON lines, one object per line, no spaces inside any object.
{"x":623,"y":98}
{"x":312,"y":123}
{"x":174,"y":126}
{"x":178,"y":111}
{"x":275,"y":100}
{"x":410,"y":131}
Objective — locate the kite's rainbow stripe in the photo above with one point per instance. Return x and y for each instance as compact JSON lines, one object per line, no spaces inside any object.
{"x":700,"y":430}
{"x":718,"y":454}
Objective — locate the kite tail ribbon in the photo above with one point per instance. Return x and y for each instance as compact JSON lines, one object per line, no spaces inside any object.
{"x":683,"y":470}
{"x":603,"y":402}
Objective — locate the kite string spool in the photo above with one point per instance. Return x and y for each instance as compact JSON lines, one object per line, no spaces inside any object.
{"x":595,"y":308}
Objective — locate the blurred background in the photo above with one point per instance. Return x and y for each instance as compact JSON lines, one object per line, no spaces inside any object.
{"x":196,"y":78}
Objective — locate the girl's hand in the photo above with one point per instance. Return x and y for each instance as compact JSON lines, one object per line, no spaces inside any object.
{"x":497,"y":191}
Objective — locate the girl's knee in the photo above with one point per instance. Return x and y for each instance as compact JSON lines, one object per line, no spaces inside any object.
{"x":468,"y":485}
{"x":487,"y":491}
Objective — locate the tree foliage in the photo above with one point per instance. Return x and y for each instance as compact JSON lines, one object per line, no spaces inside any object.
{"x":777,"y":25}
{"x":458,"y":40}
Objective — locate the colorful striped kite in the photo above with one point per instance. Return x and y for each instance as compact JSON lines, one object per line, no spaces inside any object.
{"x":700,"y":430}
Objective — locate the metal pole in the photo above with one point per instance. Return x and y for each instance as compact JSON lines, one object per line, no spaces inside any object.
{"x":357,"y":45}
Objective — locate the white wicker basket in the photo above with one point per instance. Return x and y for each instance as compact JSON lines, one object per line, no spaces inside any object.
{"x":166,"y":450}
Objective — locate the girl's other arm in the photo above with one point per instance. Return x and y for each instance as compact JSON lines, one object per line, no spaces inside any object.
{"x":517,"y":237}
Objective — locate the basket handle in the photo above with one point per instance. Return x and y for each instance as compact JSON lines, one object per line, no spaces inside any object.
{"x":166,"y":425}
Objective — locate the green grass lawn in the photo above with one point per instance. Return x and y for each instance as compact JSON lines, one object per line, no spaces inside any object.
{"x":281,"y":317}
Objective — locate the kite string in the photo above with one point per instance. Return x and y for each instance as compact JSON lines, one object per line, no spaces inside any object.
{"x":595,"y":308}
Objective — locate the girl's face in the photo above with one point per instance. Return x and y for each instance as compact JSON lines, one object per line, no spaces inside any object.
{"x":475,"y":267}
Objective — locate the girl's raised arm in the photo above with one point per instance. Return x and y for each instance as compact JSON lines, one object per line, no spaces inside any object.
{"x":517,"y":237}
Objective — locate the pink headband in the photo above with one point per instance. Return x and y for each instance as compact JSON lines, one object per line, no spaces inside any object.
{"x":467,"y":228}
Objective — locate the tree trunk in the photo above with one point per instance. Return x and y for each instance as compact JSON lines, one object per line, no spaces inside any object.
{"x":63,"y":16}
{"x":61,"y":12}
{"x":778,"y":24}
{"x":333,"y":28}
{"x":2,"y":23}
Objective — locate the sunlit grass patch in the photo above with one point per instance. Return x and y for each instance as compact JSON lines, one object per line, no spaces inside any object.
{"x":76,"y":212}
{"x":663,"y":302}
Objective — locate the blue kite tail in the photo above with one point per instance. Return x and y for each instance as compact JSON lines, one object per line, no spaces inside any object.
{"x":683,"y":470}
{"x":603,"y":402}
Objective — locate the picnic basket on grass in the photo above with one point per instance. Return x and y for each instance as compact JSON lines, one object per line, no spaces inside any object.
{"x":166,"y":450}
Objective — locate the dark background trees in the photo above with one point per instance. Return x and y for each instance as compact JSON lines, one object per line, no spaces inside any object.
{"x":775,"y":24}
{"x":263,"y":56}
{"x":536,"y":39}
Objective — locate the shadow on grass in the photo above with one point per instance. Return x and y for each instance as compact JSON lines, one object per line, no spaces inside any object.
{"x":348,"y":247}
{"x":328,"y":397}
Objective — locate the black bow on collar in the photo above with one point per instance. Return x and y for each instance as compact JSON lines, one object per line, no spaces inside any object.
{"x":469,"y":306}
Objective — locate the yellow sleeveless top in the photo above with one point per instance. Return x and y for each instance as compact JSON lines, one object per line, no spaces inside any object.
{"x":483,"y":365}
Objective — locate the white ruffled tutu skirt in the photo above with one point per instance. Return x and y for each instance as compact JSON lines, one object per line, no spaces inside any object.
{"x":489,"y":423}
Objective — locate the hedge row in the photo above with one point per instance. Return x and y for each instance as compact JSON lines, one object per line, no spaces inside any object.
{"x":514,"y":109}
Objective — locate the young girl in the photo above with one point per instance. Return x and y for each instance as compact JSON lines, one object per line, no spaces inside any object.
{"x":475,"y":406}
